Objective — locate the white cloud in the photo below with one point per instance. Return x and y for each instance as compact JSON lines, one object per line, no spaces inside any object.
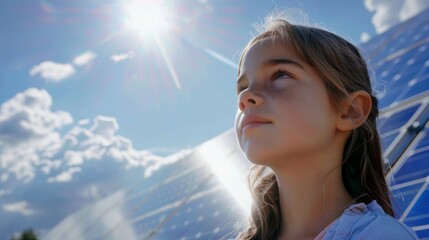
{"x":52,"y":71}
{"x":4,"y":177}
{"x":65,"y":176}
{"x":105,"y":126}
{"x":391,"y":12}
{"x":100,"y":142}
{"x":83,"y":121}
{"x":20,"y":207}
{"x":28,"y":128}
{"x":84,"y":58}
{"x":5,"y":192}
{"x":49,"y":165}
{"x":412,"y":8}
{"x":31,"y":142}
{"x":91,"y":191}
{"x":56,"y":72}
{"x":122,"y":57}
{"x":28,"y":116}
{"x":166,"y":161}
{"x":364,"y":37}
{"x":73,"y":158}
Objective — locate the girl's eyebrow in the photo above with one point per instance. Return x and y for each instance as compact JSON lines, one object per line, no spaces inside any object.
{"x":271,"y":62}
{"x":277,"y":61}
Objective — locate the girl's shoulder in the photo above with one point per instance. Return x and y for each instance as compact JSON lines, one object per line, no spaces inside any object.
{"x":361,"y":221}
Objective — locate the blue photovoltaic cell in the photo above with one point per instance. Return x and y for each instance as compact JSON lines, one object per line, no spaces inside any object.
{"x":417,"y":166}
{"x":387,"y":140}
{"x":423,"y":235}
{"x":409,"y":71}
{"x":171,"y":192}
{"x":424,"y":142}
{"x":397,"y":120}
{"x":202,"y":217}
{"x":418,"y":87}
{"x":419,"y":214}
{"x":402,"y":197}
{"x":389,"y":99}
{"x":148,"y":224}
{"x":416,"y":66}
{"x":155,"y":179}
{"x":389,"y":127}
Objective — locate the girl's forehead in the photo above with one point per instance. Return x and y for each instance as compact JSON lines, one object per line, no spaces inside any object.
{"x":268,"y":49}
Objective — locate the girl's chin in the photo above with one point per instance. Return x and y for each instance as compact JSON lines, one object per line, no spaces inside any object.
{"x":257,"y":159}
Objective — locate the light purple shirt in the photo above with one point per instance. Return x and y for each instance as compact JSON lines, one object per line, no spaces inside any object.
{"x":361,"y":221}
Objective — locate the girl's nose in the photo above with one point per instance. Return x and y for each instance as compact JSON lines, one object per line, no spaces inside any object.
{"x":248,"y":98}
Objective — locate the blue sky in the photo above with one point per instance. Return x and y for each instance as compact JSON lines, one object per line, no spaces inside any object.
{"x":82,"y":81}
{"x":139,"y":92}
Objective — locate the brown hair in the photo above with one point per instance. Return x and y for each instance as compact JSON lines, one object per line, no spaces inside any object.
{"x":344,"y":71}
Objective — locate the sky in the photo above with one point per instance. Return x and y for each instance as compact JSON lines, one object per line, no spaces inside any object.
{"x":134,"y":84}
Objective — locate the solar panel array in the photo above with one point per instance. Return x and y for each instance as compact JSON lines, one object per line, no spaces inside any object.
{"x":187,"y":200}
{"x":190,"y":205}
{"x":400,"y":61}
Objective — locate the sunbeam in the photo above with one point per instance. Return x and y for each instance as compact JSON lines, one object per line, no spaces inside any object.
{"x":214,"y":54}
{"x":151,"y":28}
{"x":221,"y":58}
{"x":167,"y":61}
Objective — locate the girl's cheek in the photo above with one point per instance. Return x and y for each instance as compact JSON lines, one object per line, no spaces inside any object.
{"x":281,"y":90}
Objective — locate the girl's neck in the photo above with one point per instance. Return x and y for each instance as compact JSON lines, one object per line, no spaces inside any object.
{"x":310,"y":199}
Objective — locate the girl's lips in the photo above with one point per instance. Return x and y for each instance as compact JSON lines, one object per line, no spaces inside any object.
{"x":253,"y":121}
{"x":254,"y":125}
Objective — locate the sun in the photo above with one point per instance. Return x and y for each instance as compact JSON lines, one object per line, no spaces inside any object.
{"x":150,"y":19}
{"x":147,"y":17}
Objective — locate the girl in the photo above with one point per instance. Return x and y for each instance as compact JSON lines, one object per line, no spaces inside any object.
{"x":307,"y":120}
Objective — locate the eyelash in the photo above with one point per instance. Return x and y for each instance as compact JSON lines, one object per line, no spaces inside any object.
{"x":273,"y":77}
{"x":279,"y":73}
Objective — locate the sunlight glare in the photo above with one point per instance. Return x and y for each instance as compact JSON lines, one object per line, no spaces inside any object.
{"x":228,"y":165}
{"x":147,"y":16}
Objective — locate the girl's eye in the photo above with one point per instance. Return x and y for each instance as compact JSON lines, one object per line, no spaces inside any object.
{"x":280,"y":75}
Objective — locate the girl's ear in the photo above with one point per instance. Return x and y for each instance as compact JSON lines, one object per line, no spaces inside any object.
{"x":355,"y":110}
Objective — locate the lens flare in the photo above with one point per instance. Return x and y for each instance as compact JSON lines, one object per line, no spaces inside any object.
{"x":148,"y":16}
{"x":153,"y":30}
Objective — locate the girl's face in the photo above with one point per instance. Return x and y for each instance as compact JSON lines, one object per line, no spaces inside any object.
{"x":284,"y":109}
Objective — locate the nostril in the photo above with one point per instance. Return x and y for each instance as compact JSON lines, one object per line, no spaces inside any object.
{"x":241,"y":105}
{"x":252,"y":101}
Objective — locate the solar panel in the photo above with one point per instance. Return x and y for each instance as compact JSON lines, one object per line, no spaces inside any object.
{"x":394,"y":120}
{"x":411,"y":178}
{"x":401,"y":67}
{"x":202,"y":218}
{"x":402,"y":73}
{"x":396,"y":126}
{"x":168,"y":192}
{"x":183,"y":202}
